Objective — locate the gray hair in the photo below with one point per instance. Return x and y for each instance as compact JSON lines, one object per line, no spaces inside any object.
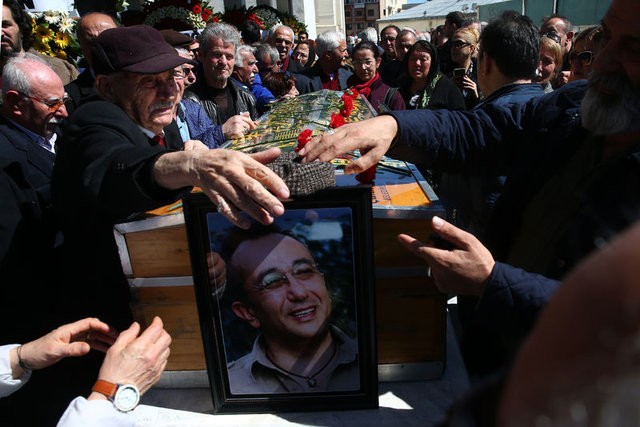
{"x":328,"y":41}
{"x":369,"y":34}
{"x":218,"y":30}
{"x":240,"y":52}
{"x":265,"y":49}
{"x":15,"y":74}
{"x":276,"y":27}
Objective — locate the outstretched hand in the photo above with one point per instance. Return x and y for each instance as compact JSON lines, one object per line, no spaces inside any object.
{"x":135,"y":358}
{"x":70,"y":340}
{"x":233,"y":180}
{"x":462,"y":269}
{"x":372,"y":137}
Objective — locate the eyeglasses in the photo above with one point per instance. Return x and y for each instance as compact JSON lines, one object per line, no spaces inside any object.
{"x":274,"y":279}
{"x":459,"y":44}
{"x":585,"y":57}
{"x":367,"y":63}
{"x":388,"y":39}
{"x":553,"y":36}
{"x":52,"y":105}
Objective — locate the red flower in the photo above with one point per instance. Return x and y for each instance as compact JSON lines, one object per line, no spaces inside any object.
{"x":304,"y":137}
{"x":352,"y":93}
{"x":197,"y":9}
{"x":347,"y":106}
{"x":337,"y":120}
{"x":367,"y":176}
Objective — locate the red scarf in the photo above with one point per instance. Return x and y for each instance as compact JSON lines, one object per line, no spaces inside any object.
{"x":365,"y":88}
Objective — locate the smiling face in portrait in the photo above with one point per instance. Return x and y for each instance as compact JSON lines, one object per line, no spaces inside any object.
{"x":286,"y":296}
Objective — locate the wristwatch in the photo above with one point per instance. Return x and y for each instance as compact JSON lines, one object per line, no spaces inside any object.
{"x":124,"y":397}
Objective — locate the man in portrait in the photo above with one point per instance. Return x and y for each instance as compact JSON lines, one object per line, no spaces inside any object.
{"x":276,"y":287}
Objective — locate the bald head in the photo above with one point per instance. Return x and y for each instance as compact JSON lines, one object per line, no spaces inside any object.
{"x":89,"y":27}
{"x":33,"y":95}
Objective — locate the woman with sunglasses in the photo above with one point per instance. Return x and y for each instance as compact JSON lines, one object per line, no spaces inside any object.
{"x":464,"y":50}
{"x":585,"y":47}
{"x":366,"y":79}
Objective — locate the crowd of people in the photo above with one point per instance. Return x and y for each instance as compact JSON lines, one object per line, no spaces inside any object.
{"x":528,"y":134}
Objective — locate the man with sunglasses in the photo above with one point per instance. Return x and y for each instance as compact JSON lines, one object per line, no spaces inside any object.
{"x":560,"y":29}
{"x":277,"y":288}
{"x":281,"y":38}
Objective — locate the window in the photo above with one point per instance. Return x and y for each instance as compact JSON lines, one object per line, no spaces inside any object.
{"x":358,"y":12}
{"x":370,"y":12}
{"x":347,"y":14}
{"x":349,"y":27}
{"x":360,"y":26}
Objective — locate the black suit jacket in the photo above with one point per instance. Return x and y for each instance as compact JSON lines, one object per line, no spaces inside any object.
{"x":37,"y":162}
{"x":103,"y":175}
{"x":80,"y":90}
{"x":309,"y":80}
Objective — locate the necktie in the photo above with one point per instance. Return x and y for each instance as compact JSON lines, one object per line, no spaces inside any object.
{"x":159,"y":140}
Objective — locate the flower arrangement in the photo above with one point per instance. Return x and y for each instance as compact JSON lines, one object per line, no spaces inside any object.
{"x":271,"y":16}
{"x":54,"y":35}
{"x":239,"y":15}
{"x":179,"y":15}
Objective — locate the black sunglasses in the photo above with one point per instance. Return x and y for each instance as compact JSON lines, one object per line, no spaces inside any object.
{"x":585,"y":57}
{"x":458,"y":44}
{"x":553,"y":36}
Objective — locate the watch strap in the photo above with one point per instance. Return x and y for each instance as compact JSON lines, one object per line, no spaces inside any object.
{"x":106,"y":388}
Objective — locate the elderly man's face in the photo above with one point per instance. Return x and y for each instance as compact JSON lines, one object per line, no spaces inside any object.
{"x":338,"y":55}
{"x":403,"y":43}
{"x":612,"y":102}
{"x":42,"y":110}
{"x":287,"y":296}
{"x":218,"y":62}
{"x":247,"y":73}
{"x":149,"y":99}
{"x":11,"y":37}
{"x":283,"y":41}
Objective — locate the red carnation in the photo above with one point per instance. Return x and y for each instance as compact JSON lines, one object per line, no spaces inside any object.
{"x":347,"y":106}
{"x":353,"y":93}
{"x":197,"y":9}
{"x":337,"y":120}
{"x":367,"y":176}
{"x":304,"y":137}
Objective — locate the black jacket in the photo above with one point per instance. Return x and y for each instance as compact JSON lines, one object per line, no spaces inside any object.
{"x":243,"y":100}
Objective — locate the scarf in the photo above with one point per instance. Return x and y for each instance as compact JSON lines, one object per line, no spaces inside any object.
{"x":365,"y":88}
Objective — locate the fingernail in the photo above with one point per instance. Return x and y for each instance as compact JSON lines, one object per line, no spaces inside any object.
{"x":284,"y":191}
{"x":278,"y":210}
{"x":437,"y":222}
{"x":301,"y":153}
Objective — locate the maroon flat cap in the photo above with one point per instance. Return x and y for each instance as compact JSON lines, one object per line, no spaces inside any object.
{"x":137,"y":49}
{"x":176,"y":39}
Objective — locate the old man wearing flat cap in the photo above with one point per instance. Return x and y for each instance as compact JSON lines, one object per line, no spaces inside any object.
{"x":119,"y":159}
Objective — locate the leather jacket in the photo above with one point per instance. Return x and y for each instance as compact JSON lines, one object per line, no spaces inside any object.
{"x":243,"y":100}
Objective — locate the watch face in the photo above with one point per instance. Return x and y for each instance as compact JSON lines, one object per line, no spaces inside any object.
{"x":126,"y":398}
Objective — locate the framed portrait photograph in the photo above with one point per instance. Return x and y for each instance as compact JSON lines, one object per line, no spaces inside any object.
{"x":287,"y":311}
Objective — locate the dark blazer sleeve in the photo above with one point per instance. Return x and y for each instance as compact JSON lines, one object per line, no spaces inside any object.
{"x":105,"y":165}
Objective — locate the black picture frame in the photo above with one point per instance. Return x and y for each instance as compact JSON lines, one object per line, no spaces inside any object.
{"x":342,"y":217}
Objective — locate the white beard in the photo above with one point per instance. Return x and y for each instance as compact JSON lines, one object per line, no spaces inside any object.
{"x":613,"y":111}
